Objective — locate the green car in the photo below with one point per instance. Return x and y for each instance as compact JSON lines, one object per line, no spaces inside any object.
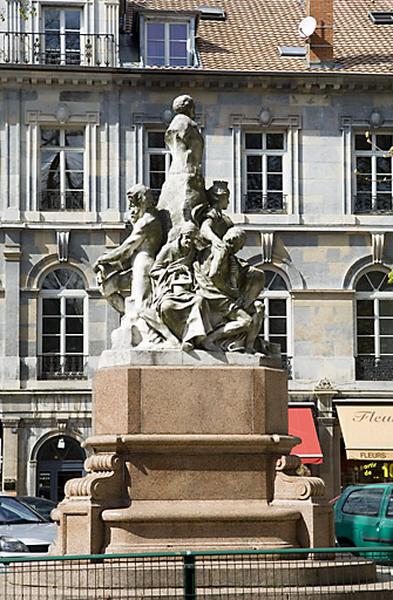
{"x":364,"y":517}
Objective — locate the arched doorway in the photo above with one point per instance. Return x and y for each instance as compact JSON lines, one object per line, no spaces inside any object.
{"x":59,"y":459}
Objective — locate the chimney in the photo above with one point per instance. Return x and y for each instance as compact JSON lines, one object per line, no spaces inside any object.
{"x":321,"y":42}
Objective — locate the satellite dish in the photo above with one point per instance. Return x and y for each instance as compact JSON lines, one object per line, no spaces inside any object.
{"x":307,"y":27}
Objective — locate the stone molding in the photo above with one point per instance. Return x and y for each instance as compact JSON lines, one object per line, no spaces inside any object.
{"x":289,"y":485}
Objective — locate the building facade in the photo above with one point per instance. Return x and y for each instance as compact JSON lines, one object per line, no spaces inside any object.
{"x":301,"y":130}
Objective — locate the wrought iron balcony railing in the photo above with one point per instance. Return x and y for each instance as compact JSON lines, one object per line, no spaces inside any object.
{"x":366,"y":203}
{"x":70,"y":49}
{"x":58,"y":201}
{"x":372,"y":368}
{"x":274,"y":202}
{"x":62,"y":366}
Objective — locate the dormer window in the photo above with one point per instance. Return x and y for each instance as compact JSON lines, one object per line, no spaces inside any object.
{"x":168,"y":42}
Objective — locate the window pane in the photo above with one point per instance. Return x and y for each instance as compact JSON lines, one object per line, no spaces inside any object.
{"x":51,"y":325}
{"x":278,"y":326}
{"x":278,"y":284}
{"x":74,"y":344}
{"x":178,"y":31}
{"x":50,"y":137}
{"x":157,"y":162}
{"x":74,"y":138}
{"x":72,"y":19}
{"x":74,"y":325}
{"x":74,"y":161}
{"x":157,"y":180}
{"x":75,"y":282}
{"x":63,"y":276}
{"x":376,"y":278}
{"x":363,"y":502}
{"x":279,"y":340}
{"x":361,"y":142}
{"x":274,"y":164}
{"x":277,"y":307}
{"x":179,"y":62}
{"x":364,"y":285}
{"x":365,"y":326}
{"x":74,"y":180}
{"x":386,"y":345}
{"x":253,"y":202}
{"x":155,"y":49}
{"x":386,"y":326}
{"x":52,"y":19}
{"x":52,"y":42}
{"x":51,"y":306}
{"x":384,"y":164}
{"x":274,"y":182}
{"x":365,"y":345}
{"x":155,"y":31}
{"x":51,"y":344}
{"x":386,"y":308}
{"x":384,"y":142}
{"x":156,"y":139}
{"x":363,"y":165}
{"x":177,"y":49}
{"x":275,"y":141}
{"x":74,"y":306}
{"x":254,"y":181}
{"x":254,"y":141}
{"x":254,"y":164}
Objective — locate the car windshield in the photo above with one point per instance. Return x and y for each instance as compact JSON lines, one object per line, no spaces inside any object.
{"x":13,"y":512}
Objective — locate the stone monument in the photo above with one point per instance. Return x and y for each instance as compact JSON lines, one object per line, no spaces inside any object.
{"x":190,"y":446}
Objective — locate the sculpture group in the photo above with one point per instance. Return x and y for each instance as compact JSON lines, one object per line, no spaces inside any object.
{"x":177,"y":278}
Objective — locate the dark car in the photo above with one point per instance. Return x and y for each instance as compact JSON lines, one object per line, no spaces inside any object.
{"x":43,"y":506}
{"x":364,"y":516}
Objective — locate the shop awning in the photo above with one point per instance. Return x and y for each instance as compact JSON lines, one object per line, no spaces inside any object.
{"x":301,"y":423}
{"x":367,"y":430}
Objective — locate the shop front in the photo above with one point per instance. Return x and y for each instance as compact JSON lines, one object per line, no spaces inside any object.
{"x":301,"y":424}
{"x":367,"y":442}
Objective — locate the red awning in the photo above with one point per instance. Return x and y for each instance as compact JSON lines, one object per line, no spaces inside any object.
{"x":301,"y":424}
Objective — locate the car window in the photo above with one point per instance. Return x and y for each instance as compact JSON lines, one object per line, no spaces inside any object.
{"x":12,"y":511}
{"x":389,"y":510}
{"x":363,"y":502}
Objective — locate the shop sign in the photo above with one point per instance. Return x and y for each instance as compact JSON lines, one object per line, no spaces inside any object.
{"x":367,"y":431}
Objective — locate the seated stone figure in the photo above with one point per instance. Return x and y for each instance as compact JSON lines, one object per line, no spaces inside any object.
{"x":183,"y":313}
{"x":125,"y":270}
{"x":230,"y":287}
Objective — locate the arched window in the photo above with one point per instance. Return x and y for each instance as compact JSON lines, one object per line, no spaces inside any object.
{"x":277,"y":310}
{"x":62,"y":340}
{"x":374,"y":326}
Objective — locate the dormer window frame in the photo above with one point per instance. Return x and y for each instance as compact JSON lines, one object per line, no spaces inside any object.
{"x":167,"y":19}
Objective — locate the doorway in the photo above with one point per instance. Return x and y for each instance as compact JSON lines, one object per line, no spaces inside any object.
{"x":59,"y":459}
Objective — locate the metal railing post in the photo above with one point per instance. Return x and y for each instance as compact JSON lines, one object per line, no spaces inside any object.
{"x":189,"y":576}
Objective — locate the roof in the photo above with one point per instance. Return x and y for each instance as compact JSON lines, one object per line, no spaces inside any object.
{"x":253,"y":30}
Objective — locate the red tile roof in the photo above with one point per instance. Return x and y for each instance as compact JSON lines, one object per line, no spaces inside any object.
{"x":253,"y":30}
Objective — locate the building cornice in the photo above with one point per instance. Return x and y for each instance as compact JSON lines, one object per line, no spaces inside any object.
{"x":99,"y":77}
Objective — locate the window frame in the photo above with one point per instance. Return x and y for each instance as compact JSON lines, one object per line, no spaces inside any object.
{"x":63,"y":31}
{"x":264,"y":152}
{"x":373,"y":153}
{"x":167,"y":19}
{"x":63,"y":149}
{"x":285,"y":295}
{"x":375,"y":296}
{"x":62,"y":294}
{"x":149,"y":151}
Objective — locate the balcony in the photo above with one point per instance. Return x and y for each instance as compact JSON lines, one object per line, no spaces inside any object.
{"x":66,"y":366}
{"x":76,"y":49}
{"x":372,"y":368}
{"x":367,"y":204}
{"x":58,"y":201}
{"x":274,"y":202}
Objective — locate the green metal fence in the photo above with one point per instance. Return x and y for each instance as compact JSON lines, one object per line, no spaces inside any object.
{"x":327,"y":573}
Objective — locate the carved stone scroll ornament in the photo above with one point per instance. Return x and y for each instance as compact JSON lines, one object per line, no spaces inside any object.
{"x":292,"y":483}
{"x":102,"y":481}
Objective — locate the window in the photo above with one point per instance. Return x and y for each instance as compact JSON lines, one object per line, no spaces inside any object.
{"x":276,"y":303}
{"x":264,"y":174}
{"x":62,"y":36}
{"x":373,"y":173}
{"x":166,"y":44}
{"x":374,"y":320}
{"x":62,"y":169}
{"x":63,"y":340}
{"x":158,"y":160}
{"x":363,"y":502}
